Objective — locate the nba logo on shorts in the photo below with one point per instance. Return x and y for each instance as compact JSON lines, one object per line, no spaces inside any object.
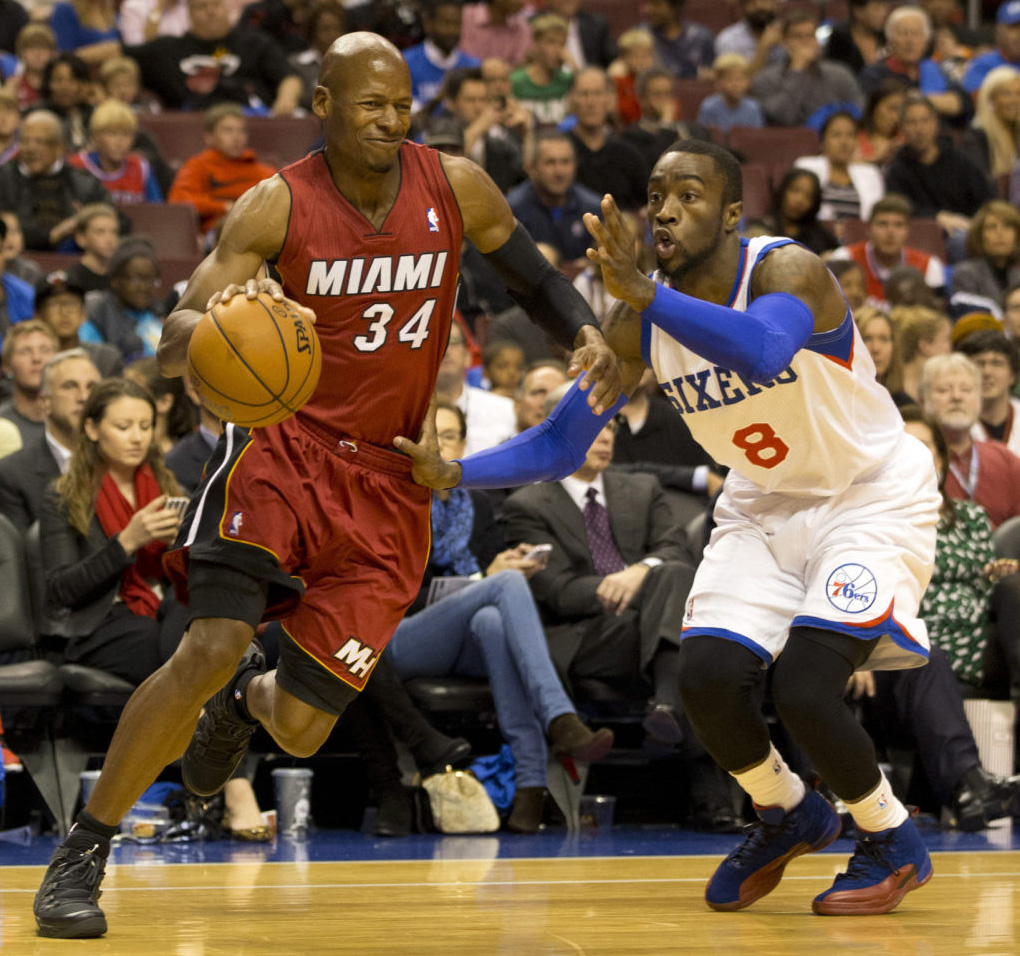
{"x":851,"y":588}
{"x":235,"y":523}
{"x":433,"y":217}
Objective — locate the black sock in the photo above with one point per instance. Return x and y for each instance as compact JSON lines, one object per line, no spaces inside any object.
{"x":88,"y":833}
{"x":241,"y":693}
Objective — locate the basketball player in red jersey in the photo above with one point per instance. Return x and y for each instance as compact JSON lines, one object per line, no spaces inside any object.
{"x":315,"y":521}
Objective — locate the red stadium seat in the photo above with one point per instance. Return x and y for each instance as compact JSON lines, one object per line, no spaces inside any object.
{"x":714,"y":14}
{"x":52,"y":261}
{"x":774,"y":147}
{"x":179,"y":136}
{"x":172,"y":227}
{"x":757,"y":194}
{"x":621,"y":15}
{"x":924,"y":234}
{"x":690,"y":93}
{"x":281,"y":140}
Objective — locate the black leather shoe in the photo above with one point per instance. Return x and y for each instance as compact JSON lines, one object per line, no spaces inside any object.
{"x":393,"y":815}
{"x":662,"y":724}
{"x":981,"y":797}
{"x":441,"y":753}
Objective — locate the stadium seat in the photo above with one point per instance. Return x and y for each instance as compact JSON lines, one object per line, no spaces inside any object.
{"x":52,"y":261}
{"x":925,"y":234}
{"x":179,"y":136}
{"x":690,"y":93}
{"x":1006,"y":538}
{"x":281,"y":140}
{"x":714,"y":14}
{"x":621,"y":16}
{"x":774,"y":147}
{"x":172,"y":227}
{"x":757,"y":194}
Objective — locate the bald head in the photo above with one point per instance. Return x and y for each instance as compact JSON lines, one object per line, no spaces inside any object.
{"x":353,"y":53}
{"x":42,"y":141}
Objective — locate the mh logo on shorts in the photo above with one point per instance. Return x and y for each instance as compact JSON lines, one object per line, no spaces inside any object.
{"x":851,"y":588}
{"x":359,"y":658}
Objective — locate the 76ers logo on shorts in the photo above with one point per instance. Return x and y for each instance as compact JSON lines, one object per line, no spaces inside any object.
{"x":851,"y":588}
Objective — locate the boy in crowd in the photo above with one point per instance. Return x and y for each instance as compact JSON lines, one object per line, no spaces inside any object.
{"x":730,"y":105}
{"x":96,"y":233}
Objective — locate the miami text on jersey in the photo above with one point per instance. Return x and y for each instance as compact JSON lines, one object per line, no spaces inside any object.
{"x":363,"y":275}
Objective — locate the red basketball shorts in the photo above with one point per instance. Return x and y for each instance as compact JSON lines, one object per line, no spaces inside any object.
{"x":336,"y":529}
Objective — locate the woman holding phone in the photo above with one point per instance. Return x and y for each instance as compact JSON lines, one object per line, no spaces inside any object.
{"x":490,"y":628}
{"x":104,"y":528}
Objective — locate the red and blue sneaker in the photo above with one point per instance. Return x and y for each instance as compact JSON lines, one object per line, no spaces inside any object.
{"x":755,"y":868}
{"x":885,"y":867}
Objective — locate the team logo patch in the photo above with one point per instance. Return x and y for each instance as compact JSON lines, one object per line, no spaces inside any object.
{"x":236,"y":519}
{"x":851,"y":588}
{"x":433,"y":217}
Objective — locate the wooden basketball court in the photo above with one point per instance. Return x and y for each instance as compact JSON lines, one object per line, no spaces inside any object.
{"x":601,"y":906}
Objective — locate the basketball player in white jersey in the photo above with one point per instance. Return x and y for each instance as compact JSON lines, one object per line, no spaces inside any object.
{"x":825,"y":531}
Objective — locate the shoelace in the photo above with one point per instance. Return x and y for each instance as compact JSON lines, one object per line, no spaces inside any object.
{"x":867,"y":853}
{"x":759,"y":835}
{"x":73,"y":876}
{"x":225,"y":732}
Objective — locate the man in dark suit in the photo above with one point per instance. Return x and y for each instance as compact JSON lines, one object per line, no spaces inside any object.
{"x":67,"y":380}
{"x":188,"y":457}
{"x":612,"y":598}
{"x":588,"y":39}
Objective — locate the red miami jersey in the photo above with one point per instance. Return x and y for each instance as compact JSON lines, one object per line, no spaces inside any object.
{"x":383,"y":299}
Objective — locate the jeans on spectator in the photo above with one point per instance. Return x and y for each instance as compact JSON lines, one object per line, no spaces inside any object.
{"x":491,"y":629}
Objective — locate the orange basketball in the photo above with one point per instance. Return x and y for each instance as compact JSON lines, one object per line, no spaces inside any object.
{"x":255,"y":361}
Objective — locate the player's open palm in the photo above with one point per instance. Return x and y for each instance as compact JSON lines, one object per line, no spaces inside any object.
{"x":616,"y":254}
{"x":153,"y":522}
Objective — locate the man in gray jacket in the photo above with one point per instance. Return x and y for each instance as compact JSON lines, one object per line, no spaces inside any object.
{"x":790,"y":93}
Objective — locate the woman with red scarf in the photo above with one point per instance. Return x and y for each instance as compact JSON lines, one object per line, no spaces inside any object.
{"x":104,"y":528}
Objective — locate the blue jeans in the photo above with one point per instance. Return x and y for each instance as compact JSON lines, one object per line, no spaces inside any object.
{"x":491,"y":629}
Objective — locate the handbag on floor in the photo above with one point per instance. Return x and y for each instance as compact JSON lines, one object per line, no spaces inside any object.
{"x":459,"y":803}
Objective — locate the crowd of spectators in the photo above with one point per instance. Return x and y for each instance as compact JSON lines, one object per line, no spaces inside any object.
{"x":910,"y":193}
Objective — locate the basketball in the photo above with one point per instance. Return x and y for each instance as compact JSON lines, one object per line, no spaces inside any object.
{"x":255,"y":361}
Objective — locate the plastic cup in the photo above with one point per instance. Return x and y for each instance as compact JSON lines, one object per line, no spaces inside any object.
{"x":597,"y":812}
{"x":293,"y":800}
{"x":88,"y":780}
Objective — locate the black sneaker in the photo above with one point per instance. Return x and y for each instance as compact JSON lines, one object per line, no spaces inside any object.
{"x":981,"y":797}
{"x":65,"y":906}
{"x":222,"y":735}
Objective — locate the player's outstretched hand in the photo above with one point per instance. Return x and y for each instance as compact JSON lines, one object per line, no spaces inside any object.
{"x":616,"y":255}
{"x":601,"y":373}
{"x":251,"y":288}
{"x":428,"y":467}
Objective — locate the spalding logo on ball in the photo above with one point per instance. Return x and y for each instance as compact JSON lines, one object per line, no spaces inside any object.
{"x":255,"y":361}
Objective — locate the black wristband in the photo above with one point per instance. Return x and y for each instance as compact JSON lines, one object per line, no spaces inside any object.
{"x":540,"y":288}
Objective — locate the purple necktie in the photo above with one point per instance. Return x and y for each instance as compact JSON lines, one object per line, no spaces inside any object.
{"x":604,"y":553}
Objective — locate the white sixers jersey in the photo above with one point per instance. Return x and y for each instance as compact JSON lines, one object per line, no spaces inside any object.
{"x":811,"y":431}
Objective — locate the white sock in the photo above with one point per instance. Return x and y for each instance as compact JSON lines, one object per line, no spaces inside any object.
{"x":878,"y":810}
{"x":771,"y":783}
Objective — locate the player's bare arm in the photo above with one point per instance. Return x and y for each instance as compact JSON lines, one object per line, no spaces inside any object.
{"x":490,"y":225}
{"x":622,"y":329}
{"x":799,"y":272}
{"x":252,"y":233}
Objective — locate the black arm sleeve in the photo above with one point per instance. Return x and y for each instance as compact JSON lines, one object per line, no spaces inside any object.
{"x":540,"y":289}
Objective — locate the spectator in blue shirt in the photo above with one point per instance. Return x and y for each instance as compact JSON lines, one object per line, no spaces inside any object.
{"x":88,"y":28}
{"x":17,"y":297}
{"x":551,"y":205}
{"x":430,"y":60}
{"x":730,"y":105}
{"x":1007,"y":47}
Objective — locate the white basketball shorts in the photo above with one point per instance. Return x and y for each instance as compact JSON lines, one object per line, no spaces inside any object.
{"x":857,"y":563}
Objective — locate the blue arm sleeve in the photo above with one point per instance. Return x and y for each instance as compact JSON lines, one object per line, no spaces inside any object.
{"x":757,"y":344}
{"x":547,"y":452}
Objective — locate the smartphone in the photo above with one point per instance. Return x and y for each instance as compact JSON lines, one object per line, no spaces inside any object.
{"x":177,"y":504}
{"x":538,"y":552}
